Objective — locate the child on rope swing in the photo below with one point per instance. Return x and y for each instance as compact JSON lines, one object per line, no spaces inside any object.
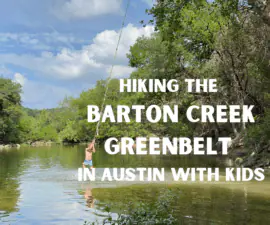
{"x":88,"y":154}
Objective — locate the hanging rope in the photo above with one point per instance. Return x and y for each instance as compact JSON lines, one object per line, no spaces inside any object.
{"x":111,"y":71}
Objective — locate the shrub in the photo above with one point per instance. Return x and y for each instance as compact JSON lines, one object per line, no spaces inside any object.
{"x":160,"y":212}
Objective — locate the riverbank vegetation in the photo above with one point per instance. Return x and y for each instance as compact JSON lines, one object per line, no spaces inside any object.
{"x":159,"y":212}
{"x":226,"y":40}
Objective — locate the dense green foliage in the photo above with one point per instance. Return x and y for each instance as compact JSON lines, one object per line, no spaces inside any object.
{"x":161,"y":212}
{"x":10,"y":110}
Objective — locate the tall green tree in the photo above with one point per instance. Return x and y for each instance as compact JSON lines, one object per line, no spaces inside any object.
{"x":10,"y":111}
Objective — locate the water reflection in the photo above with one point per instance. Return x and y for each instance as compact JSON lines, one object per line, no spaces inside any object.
{"x":197,"y":204}
{"x":39,"y":186}
{"x":88,"y":195}
{"x":10,"y":169}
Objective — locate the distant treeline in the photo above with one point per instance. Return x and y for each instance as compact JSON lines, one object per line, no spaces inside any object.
{"x":67,"y":123}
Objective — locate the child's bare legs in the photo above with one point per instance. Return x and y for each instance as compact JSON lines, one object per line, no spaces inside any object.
{"x":91,"y":167}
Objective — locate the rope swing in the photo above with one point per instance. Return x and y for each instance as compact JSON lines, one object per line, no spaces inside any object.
{"x":111,"y":71}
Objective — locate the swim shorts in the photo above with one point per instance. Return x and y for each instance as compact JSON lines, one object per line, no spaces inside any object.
{"x":88,"y":163}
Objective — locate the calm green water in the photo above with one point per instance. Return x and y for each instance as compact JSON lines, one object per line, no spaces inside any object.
{"x":39,"y":186}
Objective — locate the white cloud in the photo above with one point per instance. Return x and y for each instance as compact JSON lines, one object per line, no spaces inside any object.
{"x":120,"y":71}
{"x":104,"y":44}
{"x":39,"y":41}
{"x":66,"y":64}
{"x":22,"y":38}
{"x":92,"y":61}
{"x":39,"y":95}
{"x":19,"y":78}
{"x":56,"y":37}
{"x":81,"y":9}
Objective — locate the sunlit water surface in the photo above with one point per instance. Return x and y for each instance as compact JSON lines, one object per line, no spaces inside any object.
{"x":39,"y":186}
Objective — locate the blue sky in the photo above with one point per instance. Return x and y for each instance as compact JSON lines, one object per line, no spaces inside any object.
{"x":58,"y":48}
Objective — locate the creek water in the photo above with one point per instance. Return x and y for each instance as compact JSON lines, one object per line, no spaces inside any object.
{"x":39,"y":186}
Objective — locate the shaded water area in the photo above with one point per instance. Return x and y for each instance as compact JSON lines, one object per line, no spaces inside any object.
{"x":39,"y":186}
